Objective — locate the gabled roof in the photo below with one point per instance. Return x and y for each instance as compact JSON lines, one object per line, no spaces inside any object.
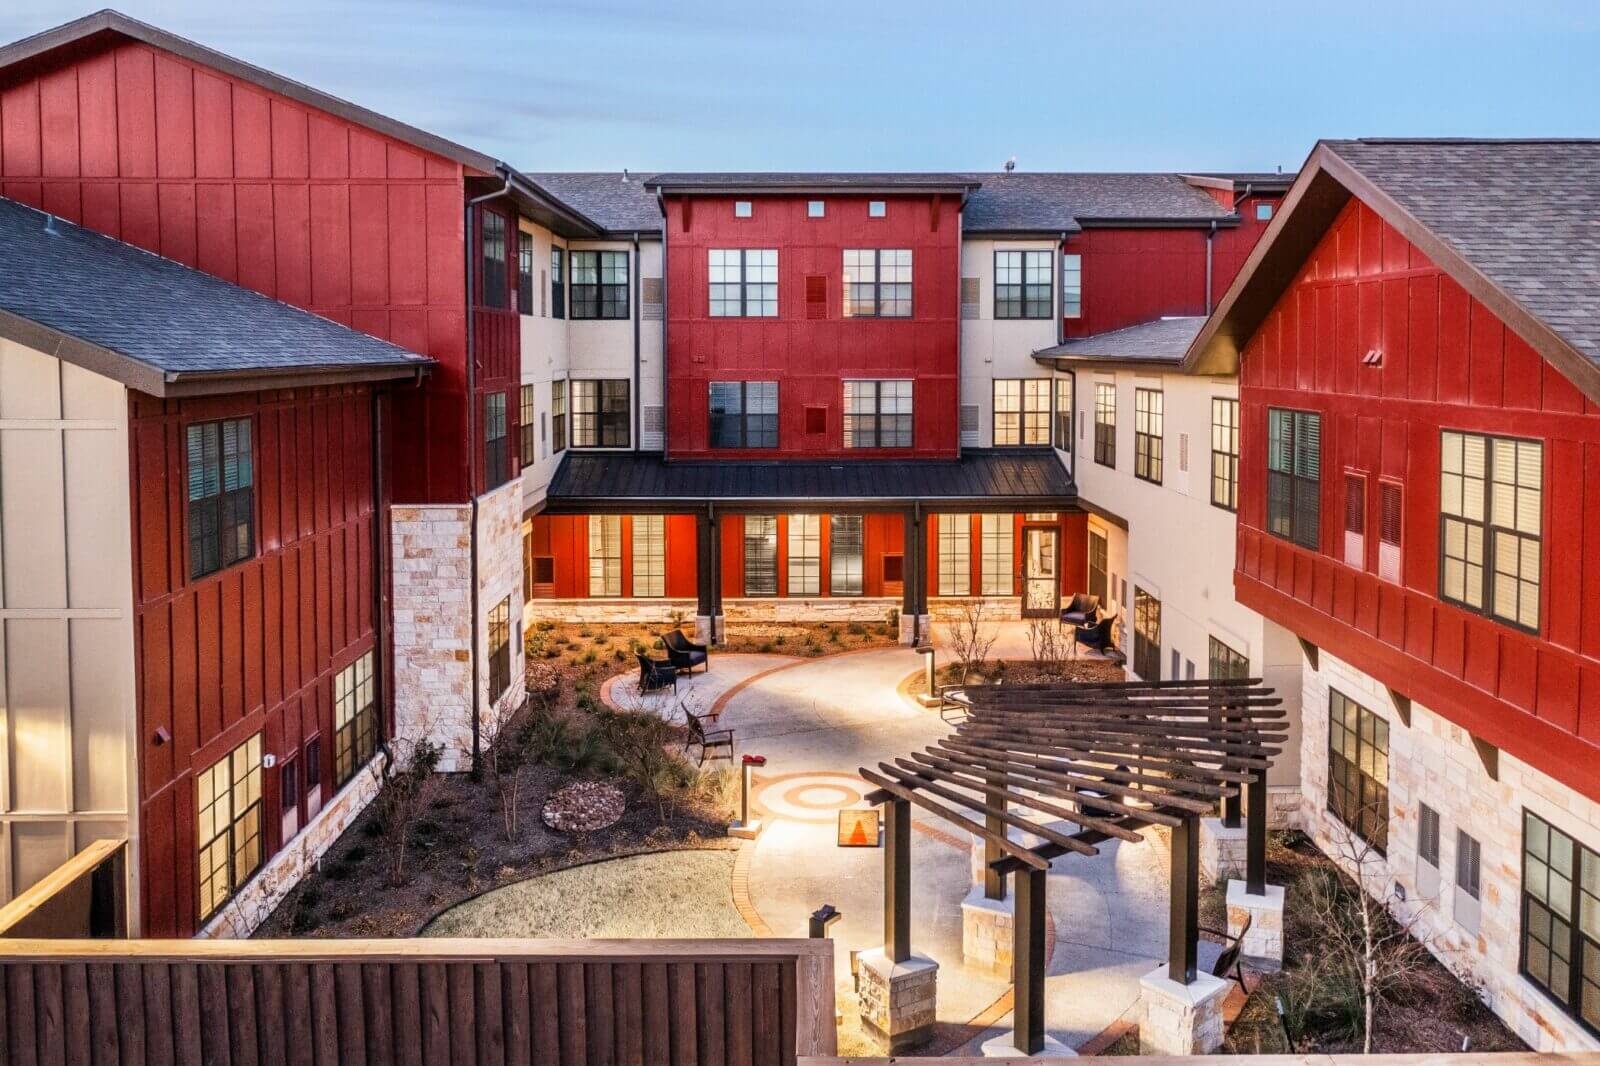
{"x":1027,"y":202}
{"x":1159,"y":342}
{"x":1515,"y":222}
{"x":981,"y":476}
{"x":164,"y":328}
{"x":617,"y":201}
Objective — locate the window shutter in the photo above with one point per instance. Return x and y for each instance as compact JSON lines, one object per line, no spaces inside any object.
{"x":970,"y":290}
{"x":1389,"y":497}
{"x":1355,"y":521}
{"x":1183,"y":452}
{"x":816,"y":296}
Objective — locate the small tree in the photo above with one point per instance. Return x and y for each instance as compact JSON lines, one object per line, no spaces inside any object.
{"x":408,"y":780}
{"x":970,"y":636}
{"x":1046,"y":644}
{"x":505,"y":760}
{"x":1363,"y":923}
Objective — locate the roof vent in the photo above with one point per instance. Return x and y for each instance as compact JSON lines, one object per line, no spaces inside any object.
{"x":625,"y":174}
{"x":1011,"y":164}
{"x":50,"y":225}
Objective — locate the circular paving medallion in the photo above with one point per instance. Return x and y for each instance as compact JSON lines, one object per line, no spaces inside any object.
{"x":810,"y":797}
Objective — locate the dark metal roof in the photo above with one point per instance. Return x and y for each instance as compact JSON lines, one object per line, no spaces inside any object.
{"x":1526,"y":213}
{"x":586,"y":479}
{"x":1162,"y":340}
{"x":617,"y":202}
{"x":155,"y":324}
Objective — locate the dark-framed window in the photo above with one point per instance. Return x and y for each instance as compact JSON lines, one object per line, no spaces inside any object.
{"x":1021,"y":411}
{"x":289,"y":796}
{"x":1065,"y":399}
{"x":1561,"y":919}
{"x":525,"y":421}
{"x":955,"y":555}
{"x":600,"y":413}
{"x":1358,"y":770}
{"x":744,"y":282}
{"x":1226,"y":663}
{"x":997,"y":555}
{"x":495,"y":273}
{"x":1099,"y":555}
{"x":845,"y":544}
{"x":599,"y":284}
{"x":1225,"y":452}
{"x":228,"y":824}
{"x":558,"y":417}
{"x":1105,"y":423}
{"x":1149,"y":430}
{"x":355,"y":718}
{"x":1146,"y":635}
{"x":1491,"y":508}
{"x":1294,"y":476}
{"x":496,"y":452}
{"x":760,"y":555}
{"x":605,"y":555}
{"x":877,"y":283}
{"x":558,"y":285}
{"x":499,"y":649}
{"x":1428,"y":835}
{"x":1468,"y":903}
{"x":1072,"y":286}
{"x":805,"y":554}
{"x":877,"y":414}
{"x":744,"y":414}
{"x":221,"y":475}
{"x":524,"y":272}
{"x":1022,"y":282}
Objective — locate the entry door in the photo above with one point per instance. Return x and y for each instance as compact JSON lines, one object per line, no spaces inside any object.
{"x":1041,"y":586}
{"x":1097,"y":567}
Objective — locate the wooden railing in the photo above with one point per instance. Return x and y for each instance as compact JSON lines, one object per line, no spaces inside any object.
{"x":419,"y":1002}
{"x":83,"y":897}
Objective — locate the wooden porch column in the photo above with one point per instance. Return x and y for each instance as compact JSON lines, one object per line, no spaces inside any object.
{"x":708,"y":564}
{"x":994,"y":882}
{"x":1028,"y":962}
{"x":1183,"y":930}
{"x":1230,"y":804}
{"x":1255,"y":841}
{"x":897,"y":880}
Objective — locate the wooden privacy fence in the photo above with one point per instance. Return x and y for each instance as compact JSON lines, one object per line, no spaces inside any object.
{"x":416,"y":1002}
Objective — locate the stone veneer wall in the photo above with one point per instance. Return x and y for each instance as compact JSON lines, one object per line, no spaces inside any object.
{"x":431,"y":550}
{"x":255,"y":902}
{"x":499,"y":578}
{"x":1434,"y":762}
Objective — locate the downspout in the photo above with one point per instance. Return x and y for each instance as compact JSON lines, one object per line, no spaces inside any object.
{"x":1211,"y":236}
{"x":1061,"y":313}
{"x":472,"y":436}
{"x":638,"y":315}
{"x":665,"y":318}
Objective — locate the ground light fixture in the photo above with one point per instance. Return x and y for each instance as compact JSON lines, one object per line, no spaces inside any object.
{"x":746,"y":827}
{"x":929,"y":698}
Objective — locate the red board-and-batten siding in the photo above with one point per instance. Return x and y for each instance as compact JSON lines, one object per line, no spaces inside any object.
{"x":1448,"y":362}
{"x":810,"y":353}
{"x":255,"y":647}
{"x":303,"y":206}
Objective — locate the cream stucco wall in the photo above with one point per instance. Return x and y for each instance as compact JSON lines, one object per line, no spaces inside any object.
{"x":1178,"y":546}
{"x":66,"y":615}
{"x":999,"y":348}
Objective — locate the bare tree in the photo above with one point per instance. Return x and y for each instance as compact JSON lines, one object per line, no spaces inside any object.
{"x":1363,"y":923}
{"x":1047,"y":645}
{"x":407,"y":781}
{"x":970,"y":635}
{"x":505,"y":759}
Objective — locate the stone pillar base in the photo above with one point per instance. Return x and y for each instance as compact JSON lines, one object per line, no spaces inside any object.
{"x":1179,"y":1019}
{"x":709,"y":629}
{"x":1263,"y":944}
{"x":988,"y":929}
{"x":1004,"y":1047}
{"x":897,"y":999}
{"x":1222,"y":850}
{"x":909,"y":635}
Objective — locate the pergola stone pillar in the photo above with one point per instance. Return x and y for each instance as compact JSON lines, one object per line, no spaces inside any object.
{"x":1180,"y":1007}
{"x":898,"y":990}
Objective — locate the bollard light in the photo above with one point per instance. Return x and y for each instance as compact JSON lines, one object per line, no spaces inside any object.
{"x":822,"y":920}
{"x":930,"y":698}
{"x":746,"y":827}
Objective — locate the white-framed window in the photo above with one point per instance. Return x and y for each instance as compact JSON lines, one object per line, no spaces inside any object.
{"x":1263,"y":212}
{"x":955,"y":555}
{"x":995,"y":574}
{"x":805,"y":555}
{"x":649,"y":555}
{"x":816,"y":208}
{"x":742,"y":209}
{"x":877,"y":209}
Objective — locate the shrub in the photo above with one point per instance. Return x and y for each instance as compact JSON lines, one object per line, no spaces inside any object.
{"x":543,"y":682}
{"x":857,"y":629}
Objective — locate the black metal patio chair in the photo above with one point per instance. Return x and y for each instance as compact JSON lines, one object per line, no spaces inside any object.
{"x":656,"y":673}
{"x":684,"y":653}
{"x":708,"y":741}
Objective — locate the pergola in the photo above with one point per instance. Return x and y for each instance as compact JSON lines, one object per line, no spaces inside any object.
{"x":1107,"y":759}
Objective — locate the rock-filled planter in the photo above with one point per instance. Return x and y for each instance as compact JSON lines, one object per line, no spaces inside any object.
{"x":583,"y":807}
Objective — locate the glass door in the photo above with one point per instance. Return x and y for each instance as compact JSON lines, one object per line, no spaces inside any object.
{"x":1041,"y":587}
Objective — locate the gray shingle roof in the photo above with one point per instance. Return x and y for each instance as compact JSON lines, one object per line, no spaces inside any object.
{"x":1525,"y":214}
{"x":912,"y":179}
{"x":162,"y":314}
{"x":586,"y":478}
{"x":1020,"y":202}
{"x":1159,"y":340}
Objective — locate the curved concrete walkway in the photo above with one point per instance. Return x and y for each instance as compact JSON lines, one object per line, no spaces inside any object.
{"x":817,"y":721}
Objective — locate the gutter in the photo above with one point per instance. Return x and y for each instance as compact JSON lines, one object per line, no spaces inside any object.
{"x":472,"y":493}
{"x":638,"y":317}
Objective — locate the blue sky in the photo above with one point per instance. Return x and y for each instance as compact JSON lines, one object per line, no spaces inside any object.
{"x":894,"y":84}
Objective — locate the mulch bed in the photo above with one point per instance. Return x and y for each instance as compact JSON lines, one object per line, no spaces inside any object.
{"x":583,"y":807}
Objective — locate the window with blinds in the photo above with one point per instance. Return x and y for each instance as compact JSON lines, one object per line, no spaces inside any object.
{"x":760,"y":555}
{"x":649,"y":555}
{"x":877,"y":283}
{"x":1490,"y":517}
{"x":605,"y":555}
{"x":744,"y":414}
{"x":805,"y":555}
{"x":844,"y":554}
{"x":955,"y":555}
{"x":221,"y":479}
{"x":996,"y":577}
{"x":1021,"y":411}
{"x":877,"y":414}
{"x":525,"y":421}
{"x":1355,"y":521}
{"x":1390,"y":520}
{"x":1294,"y":476}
